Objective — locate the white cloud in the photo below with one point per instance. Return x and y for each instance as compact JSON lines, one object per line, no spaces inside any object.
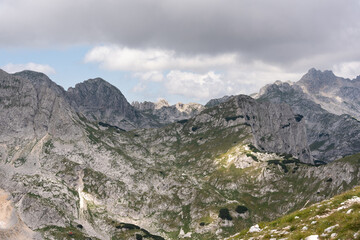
{"x":347,"y":69}
{"x":197,"y":86}
{"x":239,"y":79}
{"x":13,"y":68}
{"x":140,"y":87}
{"x":129,"y":59}
{"x":152,"y":76}
{"x":199,"y":77}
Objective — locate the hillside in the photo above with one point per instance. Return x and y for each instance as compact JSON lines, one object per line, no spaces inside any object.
{"x":336,"y":218}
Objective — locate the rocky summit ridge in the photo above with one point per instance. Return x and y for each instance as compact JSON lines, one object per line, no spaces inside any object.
{"x":330,"y":134}
{"x":335,"y":94}
{"x":165,"y":114}
{"x":72,"y":168}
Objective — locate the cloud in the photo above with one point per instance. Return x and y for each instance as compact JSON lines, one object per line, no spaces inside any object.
{"x":152,"y":76}
{"x":347,"y":69}
{"x":242,"y":79}
{"x":243,"y":43}
{"x":13,"y":68}
{"x":277,"y":31}
{"x":129,"y":59}
{"x":196,"y":86}
{"x":199,"y":77}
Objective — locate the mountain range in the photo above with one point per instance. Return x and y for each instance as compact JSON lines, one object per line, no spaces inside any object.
{"x":86,"y":164}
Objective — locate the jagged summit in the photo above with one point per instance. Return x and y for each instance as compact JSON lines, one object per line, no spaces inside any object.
{"x":335,"y":94}
{"x":314,"y":80}
{"x":161,"y":103}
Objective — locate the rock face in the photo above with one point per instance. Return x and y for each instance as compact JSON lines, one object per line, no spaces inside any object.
{"x":165,"y":114}
{"x":275,"y":127}
{"x":330,"y":136}
{"x":34,"y":106}
{"x":100,"y":101}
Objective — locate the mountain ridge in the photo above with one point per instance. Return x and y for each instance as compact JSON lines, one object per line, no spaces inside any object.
{"x":209,"y":176}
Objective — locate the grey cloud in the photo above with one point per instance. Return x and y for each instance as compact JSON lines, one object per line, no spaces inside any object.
{"x":282,"y":32}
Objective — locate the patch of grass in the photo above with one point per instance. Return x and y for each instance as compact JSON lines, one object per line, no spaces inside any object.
{"x":253,"y":148}
{"x":48,"y":146}
{"x":348,"y":222}
{"x":252,"y":156}
{"x":316,"y":145}
{"x":68,"y":233}
{"x":19,"y":162}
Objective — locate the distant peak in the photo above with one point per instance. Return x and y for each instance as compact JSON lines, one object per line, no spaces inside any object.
{"x":318,"y":70}
{"x":314,"y":71}
{"x":93,"y":83}
{"x":31,"y":74}
{"x":314,"y":75}
{"x":161,"y":103}
{"x":95,"y":80}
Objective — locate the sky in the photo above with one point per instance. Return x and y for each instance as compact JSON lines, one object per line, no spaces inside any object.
{"x":183,"y":51}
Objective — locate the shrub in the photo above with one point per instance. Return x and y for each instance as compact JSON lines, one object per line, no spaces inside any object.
{"x":241,"y":209}
{"x":225,"y":214}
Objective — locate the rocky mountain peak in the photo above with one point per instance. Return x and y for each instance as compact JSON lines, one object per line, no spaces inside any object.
{"x":40,"y":81}
{"x":328,"y":130}
{"x":37,"y":106}
{"x":314,"y":80}
{"x":161,"y":103}
{"x":33,"y":75}
{"x":97,"y":93}
{"x":98,"y":100}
